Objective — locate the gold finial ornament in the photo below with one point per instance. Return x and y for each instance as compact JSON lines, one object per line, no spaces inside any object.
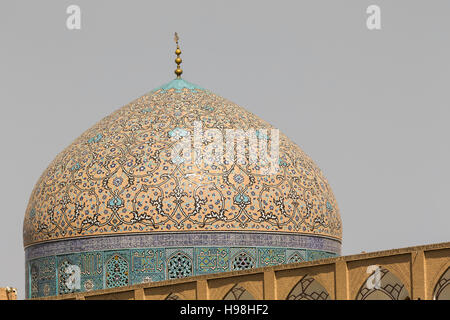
{"x":178,"y":60}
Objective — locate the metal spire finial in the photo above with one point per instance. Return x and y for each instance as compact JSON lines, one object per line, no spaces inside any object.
{"x":178,"y":60}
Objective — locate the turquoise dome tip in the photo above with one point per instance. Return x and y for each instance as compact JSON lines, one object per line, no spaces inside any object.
{"x":178,"y":85}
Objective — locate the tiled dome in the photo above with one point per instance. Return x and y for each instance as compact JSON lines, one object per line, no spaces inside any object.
{"x":118,"y":180}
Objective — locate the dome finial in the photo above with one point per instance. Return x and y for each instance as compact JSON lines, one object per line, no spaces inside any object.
{"x":178,"y":60}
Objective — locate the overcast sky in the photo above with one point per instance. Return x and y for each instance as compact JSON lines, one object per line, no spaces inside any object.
{"x":370,"y":107}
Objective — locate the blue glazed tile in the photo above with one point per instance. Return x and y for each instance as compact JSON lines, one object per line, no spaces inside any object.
{"x":271,"y":257}
{"x":211,"y":260}
{"x":126,"y":266}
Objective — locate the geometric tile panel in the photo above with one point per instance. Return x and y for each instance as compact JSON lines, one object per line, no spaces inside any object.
{"x":243,"y":258}
{"x":53,"y":275}
{"x":270,"y":256}
{"x":43,"y":277}
{"x":117,"y":268}
{"x":211,"y":260}
{"x":179,"y":265}
{"x":91,"y":265}
{"x":294,"y":256}
{"x":147,"y":265}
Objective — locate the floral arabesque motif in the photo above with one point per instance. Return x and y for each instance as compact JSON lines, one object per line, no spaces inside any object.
{"x":118,"y":177}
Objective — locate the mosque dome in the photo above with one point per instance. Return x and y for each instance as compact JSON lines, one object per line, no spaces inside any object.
{"x":119,"y":205}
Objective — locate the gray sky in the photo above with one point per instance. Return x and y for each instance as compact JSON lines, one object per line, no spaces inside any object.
{"x":370,"y":107}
